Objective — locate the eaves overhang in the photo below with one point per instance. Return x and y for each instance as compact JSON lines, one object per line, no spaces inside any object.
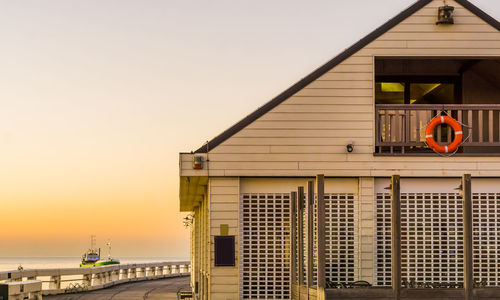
{"x":192,"y":191}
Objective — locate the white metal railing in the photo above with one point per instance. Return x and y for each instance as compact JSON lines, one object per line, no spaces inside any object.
{"x":20,"y":290}
{"x":68,"y":280}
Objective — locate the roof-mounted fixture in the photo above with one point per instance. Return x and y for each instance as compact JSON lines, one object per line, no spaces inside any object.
{"x":445,"y":15}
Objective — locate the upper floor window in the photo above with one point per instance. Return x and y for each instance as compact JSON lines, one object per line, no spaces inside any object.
{"x":416,"y":90}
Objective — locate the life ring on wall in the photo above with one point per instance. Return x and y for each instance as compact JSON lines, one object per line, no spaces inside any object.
{"x":429,"y":134}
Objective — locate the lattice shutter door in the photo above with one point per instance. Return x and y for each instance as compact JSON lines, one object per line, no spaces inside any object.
{"x":431,"y":238}
{"x":340,"y":235}
{"x":432,"y":245}
{"x":264,"y":246}
{"x":486,"y":237}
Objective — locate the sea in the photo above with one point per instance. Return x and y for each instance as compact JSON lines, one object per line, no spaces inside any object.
{"x":12,"y":263}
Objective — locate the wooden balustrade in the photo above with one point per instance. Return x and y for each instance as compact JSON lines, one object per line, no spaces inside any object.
{"x":58,"y":281}
{"x":400,"y":128}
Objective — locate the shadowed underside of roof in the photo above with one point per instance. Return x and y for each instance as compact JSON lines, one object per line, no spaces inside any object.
{"x":331,"y":64}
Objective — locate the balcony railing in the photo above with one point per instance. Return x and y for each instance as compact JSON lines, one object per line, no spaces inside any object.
{"x":400,"y":128}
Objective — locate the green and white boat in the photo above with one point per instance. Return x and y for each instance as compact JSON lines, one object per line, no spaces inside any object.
{"x":92,"y":258}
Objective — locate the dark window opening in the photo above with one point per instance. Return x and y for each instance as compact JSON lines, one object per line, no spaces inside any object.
{"x":224,"y":251}
{"x":415,"y":90}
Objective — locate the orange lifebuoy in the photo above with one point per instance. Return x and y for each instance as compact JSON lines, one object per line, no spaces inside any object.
{"x":429,"y":134}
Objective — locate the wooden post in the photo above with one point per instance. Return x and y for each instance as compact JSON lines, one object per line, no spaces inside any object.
{"x":310,"y":233}
{"x":300,"y":235}
{"x":467,"y":212}
{"x":320,"y":235}
{"x":396,"y":235}
{"x":293,"y":237}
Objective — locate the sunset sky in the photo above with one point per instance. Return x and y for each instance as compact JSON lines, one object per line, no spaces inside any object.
{"x":98,"y":97}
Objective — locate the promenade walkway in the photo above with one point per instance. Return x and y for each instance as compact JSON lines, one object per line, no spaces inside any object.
{"x":149,"y":289}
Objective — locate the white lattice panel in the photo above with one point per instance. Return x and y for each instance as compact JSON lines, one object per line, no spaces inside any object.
{"x":265,"y":240}
{"x":486,"y":237}
{"x":383,"y":240}
{"x":340,"y":235}
{"x":264,"y":232}
{"x":431,"y":238}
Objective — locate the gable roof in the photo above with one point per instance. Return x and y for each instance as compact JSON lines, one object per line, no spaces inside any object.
{"x":334,"y":62}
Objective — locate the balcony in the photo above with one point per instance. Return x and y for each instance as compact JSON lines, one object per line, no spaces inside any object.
{"x":400,"y":128}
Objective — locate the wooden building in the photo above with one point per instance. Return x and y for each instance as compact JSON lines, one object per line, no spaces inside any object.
{"x":359,"y":119}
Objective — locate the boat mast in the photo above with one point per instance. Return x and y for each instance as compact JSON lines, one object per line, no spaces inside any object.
{"x":109,"y":249}
{"x":92,"y":242}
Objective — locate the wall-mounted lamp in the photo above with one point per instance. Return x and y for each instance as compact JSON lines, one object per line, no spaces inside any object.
{"x":198,"y":162}
{"x":188,"y":220}
{"x":350,"y":147}
{"x":389,"y":188}
{"x":460,"y":189}
{"x":445,"y":15}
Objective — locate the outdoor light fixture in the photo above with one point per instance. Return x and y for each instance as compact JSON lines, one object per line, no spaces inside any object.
{"x":188,"y":220}
{"x":350,"y":147}
{"x":197,"y":162}
{"x":445,"y":15}
{"x":389,"y":188}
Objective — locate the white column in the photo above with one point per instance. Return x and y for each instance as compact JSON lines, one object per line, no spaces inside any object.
{"x":87,"y":279}
{"x":96,"y":279}
{"x":55,"y":282}
{"x":123,"y":274}
{"x":140,"y":272}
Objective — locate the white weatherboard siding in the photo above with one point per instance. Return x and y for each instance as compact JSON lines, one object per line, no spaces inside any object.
{"x":224,"y":196}
{"x":307,"y":134}
{"x":366,"y":229}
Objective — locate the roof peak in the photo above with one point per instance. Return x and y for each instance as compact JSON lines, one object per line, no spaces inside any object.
{"x":334,"y":62}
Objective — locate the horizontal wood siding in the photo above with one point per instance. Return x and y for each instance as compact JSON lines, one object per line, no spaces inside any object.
{"x":224,"y":200}
{"x":307,"y":134}
{"x":366,"y":229}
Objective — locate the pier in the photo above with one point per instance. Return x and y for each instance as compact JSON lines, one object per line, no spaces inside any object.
{"x":36,"y":282}
{"x":151,"y":290}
